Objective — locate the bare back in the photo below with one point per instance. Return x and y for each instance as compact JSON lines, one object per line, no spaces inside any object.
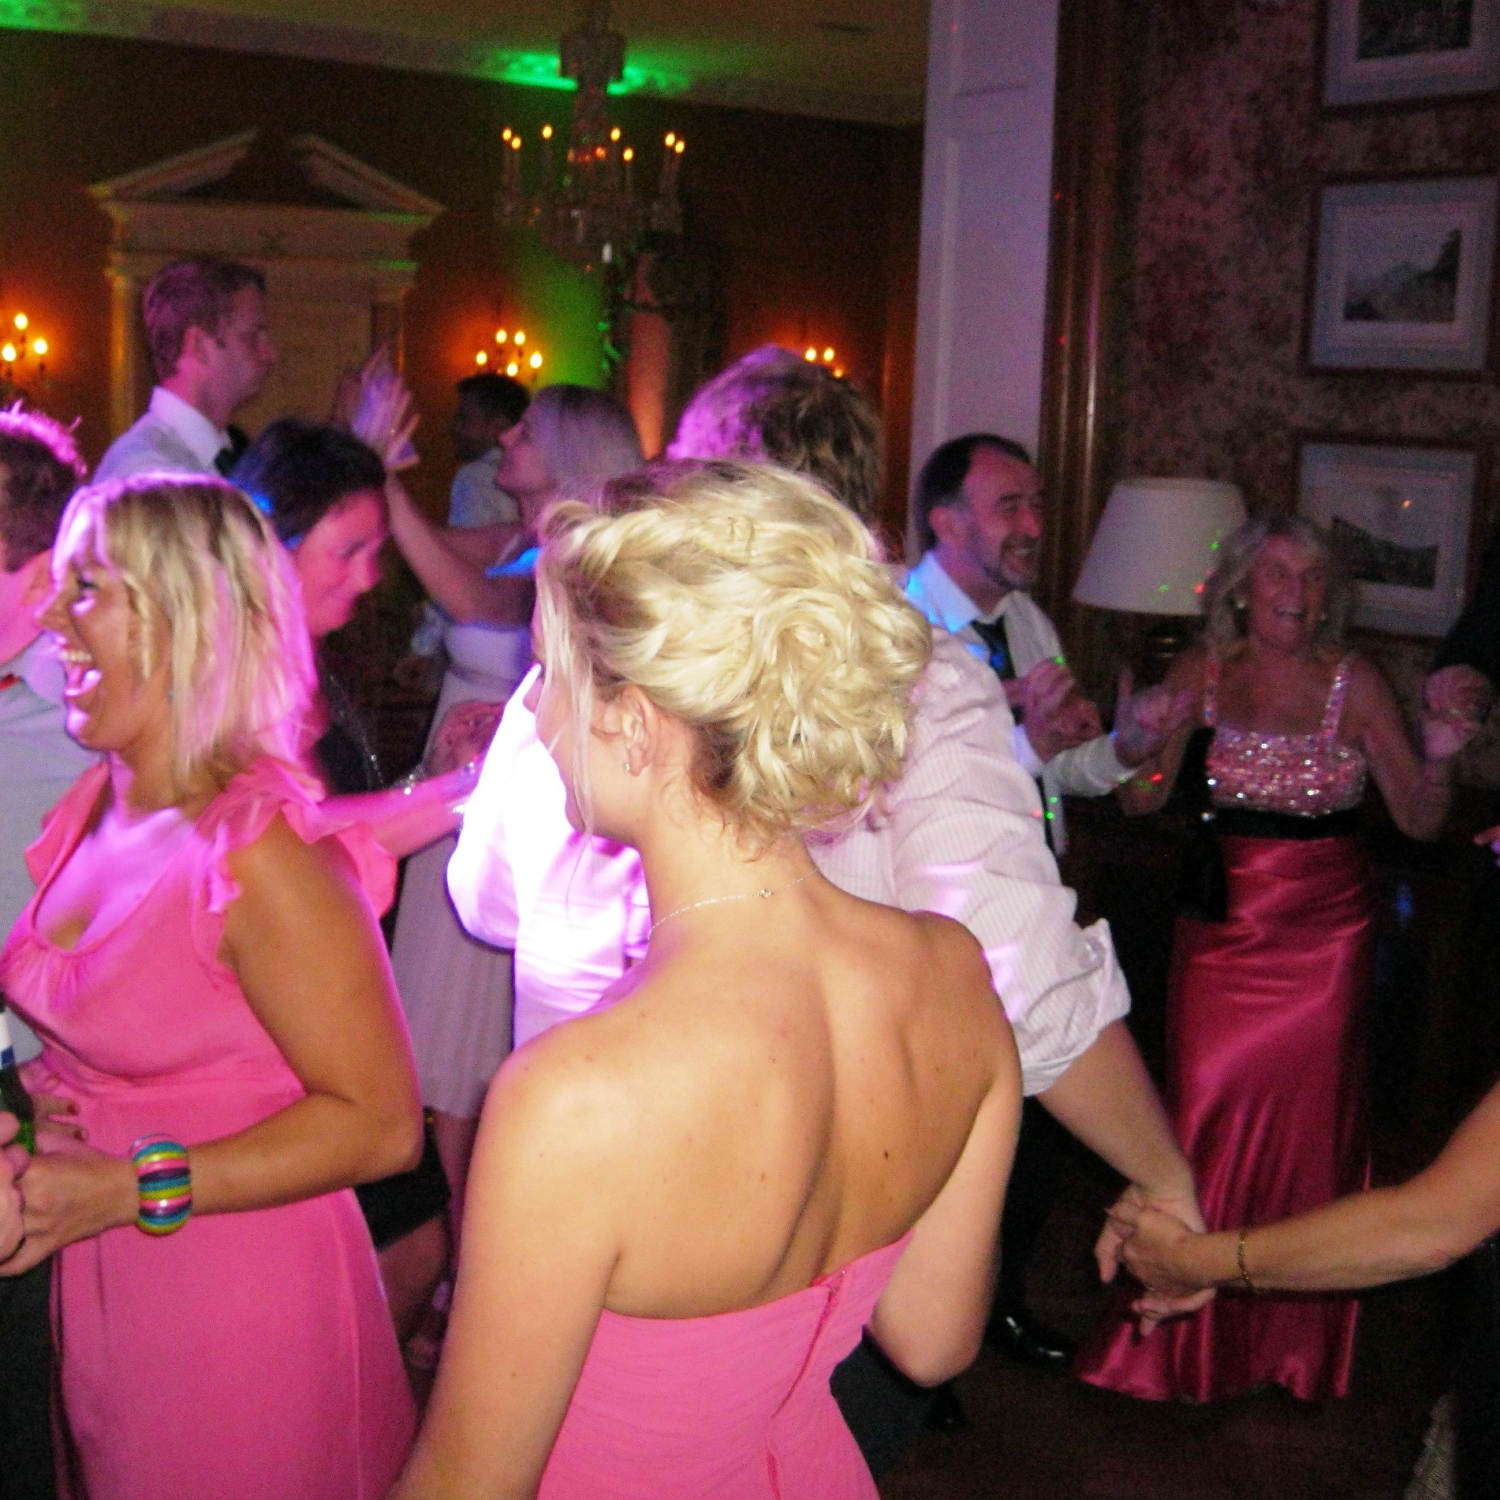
{"x":792,"y":1086}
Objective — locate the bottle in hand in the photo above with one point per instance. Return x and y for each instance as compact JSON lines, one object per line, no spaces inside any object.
{"x":13,"y":1095}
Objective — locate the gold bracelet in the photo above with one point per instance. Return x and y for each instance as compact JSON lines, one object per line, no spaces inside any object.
{"x":1239,"y":1261}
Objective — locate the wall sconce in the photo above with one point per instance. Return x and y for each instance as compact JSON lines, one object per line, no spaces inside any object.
{"x":827,"y":357}
{"x":23,"y":356}
{"x":515,"y":354}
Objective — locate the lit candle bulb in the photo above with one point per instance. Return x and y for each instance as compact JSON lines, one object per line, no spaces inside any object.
{"x":546,"y":158}
{"x":628,"y":157}
{"x":40,"y":345}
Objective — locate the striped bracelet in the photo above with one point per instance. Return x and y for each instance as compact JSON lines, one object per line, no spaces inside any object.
{"x":163,"y":1184}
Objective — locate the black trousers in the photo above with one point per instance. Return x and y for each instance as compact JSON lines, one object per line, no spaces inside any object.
{"x":25,"y":1387}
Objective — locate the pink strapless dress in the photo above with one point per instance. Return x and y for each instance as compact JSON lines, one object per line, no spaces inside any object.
{"x":732,"y":1407}
{"x":1266,"y":1061}
{"x":249,"y":1354}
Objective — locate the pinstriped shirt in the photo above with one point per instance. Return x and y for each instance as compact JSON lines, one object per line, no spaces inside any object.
{"x":958,"y":833}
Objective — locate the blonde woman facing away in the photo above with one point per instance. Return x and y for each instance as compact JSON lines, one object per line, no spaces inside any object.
{"x":796,"y":1114}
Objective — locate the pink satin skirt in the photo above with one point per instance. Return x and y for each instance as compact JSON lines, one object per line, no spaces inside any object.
{"x":1266,"y":1043}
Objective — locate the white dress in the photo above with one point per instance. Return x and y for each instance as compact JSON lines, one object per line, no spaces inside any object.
{"x":455,"y":989}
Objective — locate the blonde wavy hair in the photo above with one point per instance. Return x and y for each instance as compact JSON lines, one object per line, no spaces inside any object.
{"x":1223,"y":599}
{"x":215,"y":593}
{"x":751,"y":606}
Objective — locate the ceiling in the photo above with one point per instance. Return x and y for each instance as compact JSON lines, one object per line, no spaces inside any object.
{"x":845,"y":59}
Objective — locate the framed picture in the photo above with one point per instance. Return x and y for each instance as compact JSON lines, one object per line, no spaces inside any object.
{"x":1393,"y":51}
{"x":1403,"y":275}
{"x":1402,"y":514}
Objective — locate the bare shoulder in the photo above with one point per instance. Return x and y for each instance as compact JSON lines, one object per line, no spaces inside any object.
{"x":584,"y":1081}
{"x":951,"y":943}
{"x":277,"y":861}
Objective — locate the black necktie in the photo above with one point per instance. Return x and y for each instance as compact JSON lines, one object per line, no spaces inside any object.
{"x":229,"y":455}
{"x":992,"y":633}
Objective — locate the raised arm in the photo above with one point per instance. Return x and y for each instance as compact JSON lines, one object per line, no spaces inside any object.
{"x":1389,"y":1234}
{"x":309,"y":957}
{"x":525,"y":1310}
{"x":455,"y":580}
{"x":1417,"y":789}
{"x":1149,"y":787}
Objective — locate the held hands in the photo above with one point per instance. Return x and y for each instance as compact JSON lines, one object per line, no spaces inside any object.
{"x":68,"y":1192}
{"x":463,"y":736}
{"x":13,"y":1162}
{"x":1142,"y":1231}
{"x":1455,"y":701}
{"x":1459,"y":692}
{"x":1145,"y":721}
{"x":1055,"y":713}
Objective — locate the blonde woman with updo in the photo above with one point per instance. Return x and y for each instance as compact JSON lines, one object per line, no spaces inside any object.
{"x":795,"y":1116}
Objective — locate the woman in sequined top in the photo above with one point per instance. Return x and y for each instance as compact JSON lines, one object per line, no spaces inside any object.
{"x":1266,"y":1026}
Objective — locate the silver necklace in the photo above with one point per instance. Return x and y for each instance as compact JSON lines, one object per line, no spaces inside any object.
{"x":763,"y":894}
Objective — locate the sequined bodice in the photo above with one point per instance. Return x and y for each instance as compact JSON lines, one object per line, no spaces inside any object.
{"x":1303,"y":774}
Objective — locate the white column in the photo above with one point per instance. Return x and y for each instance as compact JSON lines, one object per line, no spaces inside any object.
{"x":986,"y":191}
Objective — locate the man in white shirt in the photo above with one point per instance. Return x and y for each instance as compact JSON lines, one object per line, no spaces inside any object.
{"x":39,"y":469}
{"x":957,"y":833}
{"x":212,"y":350}
{"x":981,"y":517}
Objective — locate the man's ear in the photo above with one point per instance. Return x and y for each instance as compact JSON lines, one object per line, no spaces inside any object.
{"x":944,"y":521}
{"x":36,"y":582}
{"x":195,"y":344}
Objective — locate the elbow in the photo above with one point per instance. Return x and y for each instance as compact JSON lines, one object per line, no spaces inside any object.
{"x":937,"y":1368}
{"x":395,"y":1143}
{"x":933,"y":1359}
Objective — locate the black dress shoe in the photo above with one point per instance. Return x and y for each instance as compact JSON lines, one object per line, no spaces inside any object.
{"x":1018,"y":1334}
{"x":946,"y":1414}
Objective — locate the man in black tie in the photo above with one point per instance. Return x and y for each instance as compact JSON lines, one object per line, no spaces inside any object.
{"x":212,"y":351}
{"x":982,"y":515}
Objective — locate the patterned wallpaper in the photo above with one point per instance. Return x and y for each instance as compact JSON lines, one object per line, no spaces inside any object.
{"x":1231,"y":148}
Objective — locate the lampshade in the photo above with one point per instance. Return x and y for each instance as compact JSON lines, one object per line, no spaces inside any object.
{"x":1157,"y":541}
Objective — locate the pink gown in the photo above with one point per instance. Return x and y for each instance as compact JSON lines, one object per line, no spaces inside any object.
{"x":1266,"y":1060}
{"x":731,"y":1407}
{"x":249,"y":1354}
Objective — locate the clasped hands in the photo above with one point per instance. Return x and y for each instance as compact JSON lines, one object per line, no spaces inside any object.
{"x":1141,"y":1232}
{"x":1057,"y":716}
{"x":66,"y":1192}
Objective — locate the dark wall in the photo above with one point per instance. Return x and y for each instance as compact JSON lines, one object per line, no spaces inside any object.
{"x":812,"y":222}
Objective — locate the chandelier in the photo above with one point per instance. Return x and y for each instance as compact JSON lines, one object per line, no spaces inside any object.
{"x":590,"y":213}
{"x":23,"y":357}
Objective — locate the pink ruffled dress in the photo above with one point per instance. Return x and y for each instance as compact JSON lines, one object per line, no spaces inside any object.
{"x":730,"y":1407}
{"x":249,"y":1354}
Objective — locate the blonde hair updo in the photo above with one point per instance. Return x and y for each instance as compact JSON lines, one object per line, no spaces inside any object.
{"x":751,"y":606}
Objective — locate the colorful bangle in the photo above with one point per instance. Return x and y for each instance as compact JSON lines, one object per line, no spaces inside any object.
{"x":163,"y":1183}
{"x":1239,"y":1263}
